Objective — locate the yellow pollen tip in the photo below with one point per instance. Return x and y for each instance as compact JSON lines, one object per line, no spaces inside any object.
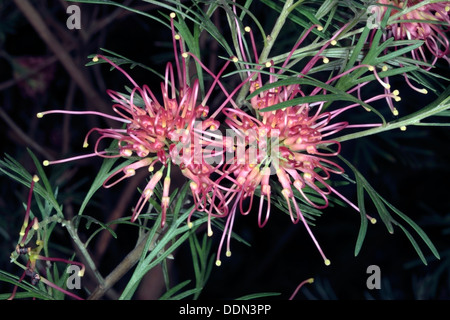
{"x":386,"y":85}
{"x":320,"y":28}
{"x":151,"y":168}
{"x":218,"y":263}
{"x":397,"y":99}
{"x":35,"y":178}
{"x":95,"y":59}
{"x":447,"y":8}
{"x":373,"y":221}
{"x":210,"y":233}
{"x":268,"y":64}
{"x":172,"y":15}
{"x":424,"y":91}
{"x":235,"y":59}
{"x":85,"y":144}
{"x":190,"y":225}
{"x":395,"y":112}
{"x":396,"y":92}
{"x":81,"y":273}
{"x":177,"y":37}
{"x":46,"y":163}
{"x":325,"y":60}
{"x":403,"y":128}
{"x":327,"y":262}
{"x":333,"y":42}
{"x":371,"y":68}
{"x":247,"y":29}
{"x":384,"y":68}
{"x":39,"y":115}
{"x":184,"y":55}
{"x":228,"y":253}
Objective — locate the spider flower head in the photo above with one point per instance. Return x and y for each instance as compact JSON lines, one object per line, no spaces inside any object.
{"x":288,"y":149}
{"x":429,"y":22}
{"x":156,"y":135}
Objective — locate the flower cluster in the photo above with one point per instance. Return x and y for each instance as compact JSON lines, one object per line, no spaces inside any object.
{"x":277,"y":144}
{"x":158,"y":135}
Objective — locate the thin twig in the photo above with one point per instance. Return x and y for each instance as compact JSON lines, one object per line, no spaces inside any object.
{"x":122,"y":268}
{"x":85,"y":255}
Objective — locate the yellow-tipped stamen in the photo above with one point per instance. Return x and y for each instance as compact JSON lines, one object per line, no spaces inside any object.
{"x":173,"y":15}
{"x":81,"y":272}
{"x":218,"y":263}
{"x":403,"y":128}
{"x":333,"y":42}
{"x":184,"y":55}
{"x":228,"y":253}
{"x":373,"y":221}
{"x":95,"y":59}
{"x":235,"y":59}
{"x":327,"y":262}
{"x":46,"y":163}
{"x":424,"y":91}
{"x":268,"y":64}
{"x":177,"y":37}
{"x":39,"y":115}
{"x":384,"y":68}
{"x":320,"y":28}
{"x":325,"y":60}
{"x":247,"y":29}
{"x":22,"y":230}
{"x":35,"y":178}
{"x":395,"y":112}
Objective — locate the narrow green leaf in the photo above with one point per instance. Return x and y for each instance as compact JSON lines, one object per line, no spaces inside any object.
{"x":259,"y":295}
{"x":414,"y":244}
{"x":168,"y":295}
{"x":363,"y":228}
{"x":43,"y":177}
{"x":416,"y":228}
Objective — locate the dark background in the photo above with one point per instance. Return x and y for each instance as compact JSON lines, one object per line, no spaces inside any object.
{"x":409,"y":169}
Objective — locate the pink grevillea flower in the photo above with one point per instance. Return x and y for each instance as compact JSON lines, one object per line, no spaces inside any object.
{"x":162,"y":134}
{"x":32,"y":251}
{"x":289,"y":148}
{"x":427,"y":21}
